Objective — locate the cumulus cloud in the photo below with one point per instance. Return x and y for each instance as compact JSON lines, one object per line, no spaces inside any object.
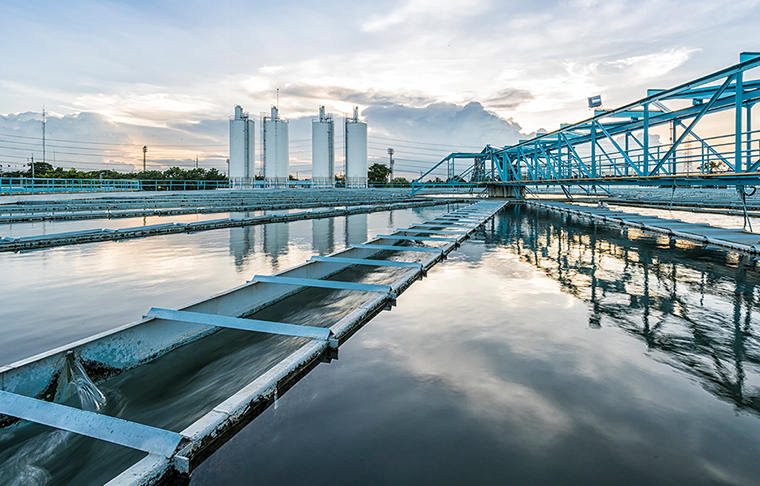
{"x":91,"y":141}
{"x":509,"y":98}
{"x":470,"y":125}
{"x":149,"y":106}
{"x":368,"y":97}
{"x":103,"y":141}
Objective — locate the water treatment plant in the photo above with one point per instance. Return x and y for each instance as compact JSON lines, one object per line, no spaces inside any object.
{"x":579,"y":307}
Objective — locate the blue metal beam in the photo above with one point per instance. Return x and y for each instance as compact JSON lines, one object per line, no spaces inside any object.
{"x":322,"y":284}
{"x":556,"y":156}
{"x":699,"y":116}
{"x":399,"y":248}
{"x":90,"y":424}
{"x":415,"y":238}
{"x":368,"y":262}
{"x":267,"y":327}
{"x":431,"y":232}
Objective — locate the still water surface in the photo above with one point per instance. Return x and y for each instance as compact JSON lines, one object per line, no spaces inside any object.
{"x":544,"y":352}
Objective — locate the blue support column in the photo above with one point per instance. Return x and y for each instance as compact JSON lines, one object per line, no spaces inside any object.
{"x":673,"y":158}
{"x":646,"y":139}
{"x":593,"y":150}
{"x":738,"y":98}
{"x":749,"y":136}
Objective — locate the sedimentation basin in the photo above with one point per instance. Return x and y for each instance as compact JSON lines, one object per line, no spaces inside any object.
{"x":546,"y":350}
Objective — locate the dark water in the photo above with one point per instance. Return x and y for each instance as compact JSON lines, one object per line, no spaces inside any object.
{"x":178,"y":388}
{"x":543,"y":352}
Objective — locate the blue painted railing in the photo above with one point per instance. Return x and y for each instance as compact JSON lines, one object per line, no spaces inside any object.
{"x":28,"y":185}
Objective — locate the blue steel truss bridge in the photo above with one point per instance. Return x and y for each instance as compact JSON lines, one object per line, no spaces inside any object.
{"x":696,"y":134}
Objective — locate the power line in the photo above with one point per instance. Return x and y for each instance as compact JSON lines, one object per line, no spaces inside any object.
{"x":113,"y":143}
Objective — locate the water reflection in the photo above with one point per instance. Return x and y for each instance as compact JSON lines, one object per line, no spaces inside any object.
{"x":242,"y":242}
{"x":356,"y":229}
{"x":323,"y":236}
{"x":276,"y":237}
{"x":690,"y":305}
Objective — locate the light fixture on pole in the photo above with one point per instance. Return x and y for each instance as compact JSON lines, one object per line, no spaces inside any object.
{"x":390,"y":155}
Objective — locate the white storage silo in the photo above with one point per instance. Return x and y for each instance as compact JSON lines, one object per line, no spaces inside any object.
{"x":242,"y":149}
{"x":322,"y":150}
{"x":356,"y":151}
{"x":276,"y":157}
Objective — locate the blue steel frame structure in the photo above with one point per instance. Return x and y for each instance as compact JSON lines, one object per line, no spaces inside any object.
{"x":616,"y":146}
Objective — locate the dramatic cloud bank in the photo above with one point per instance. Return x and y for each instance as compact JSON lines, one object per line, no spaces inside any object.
{"x":420,"y":136}
{"x":424,"y":73}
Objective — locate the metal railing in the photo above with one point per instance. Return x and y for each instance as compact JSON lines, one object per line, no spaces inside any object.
{"x":622,"y":145}
{"x":28,"y":185}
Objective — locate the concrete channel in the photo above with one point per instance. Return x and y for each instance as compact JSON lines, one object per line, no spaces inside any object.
{"x":127,"y":206}
{"x":733,"y":239}
{"x":104,"y":234}
{"x":35,"y":389}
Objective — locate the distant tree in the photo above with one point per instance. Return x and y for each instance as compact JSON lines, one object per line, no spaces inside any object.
{"x":149,"y":175}
{"x":399,"y":182}
{"x":215,"y":175}
{"x":378,"y":173}
{"x":45,"y":170}
{"x":716,"y":167}
{"x":40,"y":169}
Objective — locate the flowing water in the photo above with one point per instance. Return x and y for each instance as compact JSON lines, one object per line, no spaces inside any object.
{"x":90,"y":397}
{"x":26,"y":465}
{"x":544,"y":351}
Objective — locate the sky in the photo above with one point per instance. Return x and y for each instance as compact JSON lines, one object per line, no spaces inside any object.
{"x":429,"y":77}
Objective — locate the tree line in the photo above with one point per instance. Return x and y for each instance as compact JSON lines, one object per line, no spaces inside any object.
{"x":45,"y":170}
{"x":377,"y":173}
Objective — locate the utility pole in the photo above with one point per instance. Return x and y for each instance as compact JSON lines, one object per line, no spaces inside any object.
{"x":43,"y":133}
{"x":145,"y":153}
{"x":390,"y":155}
{"x":196,"y":161}
{"x":32,"y":166}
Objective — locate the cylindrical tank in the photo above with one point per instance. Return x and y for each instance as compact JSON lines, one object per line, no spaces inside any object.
{"x":242,"y":149}
{"x":276,"y":156}
{"x":356,"y":151}
{"x":322,"y":150}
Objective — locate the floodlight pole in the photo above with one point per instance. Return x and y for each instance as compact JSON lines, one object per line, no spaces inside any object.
{"x":390,"y":155}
